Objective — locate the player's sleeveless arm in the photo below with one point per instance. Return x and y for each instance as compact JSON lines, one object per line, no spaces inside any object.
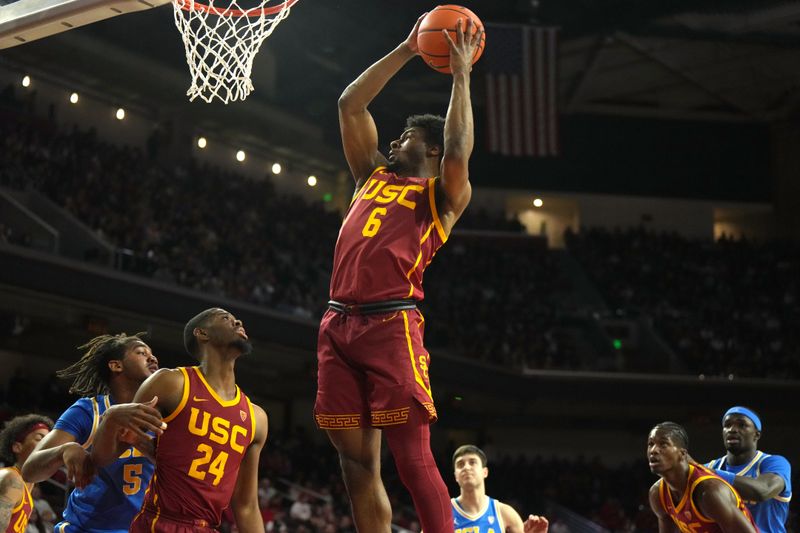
{"x":721,"y":504}
{"x":359,"y":133}
{"x":665,"y":523}
{"x":245,"y":495}
{"x":776,"y":474}
{"x":12,"y":492}
{"x":774,"y":480}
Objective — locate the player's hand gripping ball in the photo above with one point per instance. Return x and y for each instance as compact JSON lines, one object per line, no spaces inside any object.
{"x":432,"y":44}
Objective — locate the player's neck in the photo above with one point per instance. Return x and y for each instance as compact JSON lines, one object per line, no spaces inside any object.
{"x":220,"y":376}
{"x":122,"y":390}
{"x":422,"y":171}
{"x":743,"y":457}
{"x":677,"y":479}
{"x":472,"y":500}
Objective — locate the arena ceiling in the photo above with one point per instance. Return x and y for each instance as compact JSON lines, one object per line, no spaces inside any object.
{"x":732,"y":60}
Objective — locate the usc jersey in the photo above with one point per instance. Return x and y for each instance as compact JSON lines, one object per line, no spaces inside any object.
{"x":389,"y":235}
{"x":22,"y":512}
{"x":685,"y":513}
{"x":198,"y":456}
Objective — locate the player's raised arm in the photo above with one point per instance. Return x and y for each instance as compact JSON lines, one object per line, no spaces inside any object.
{"x":245,"y":495}
{"x":459,"y":129}
{"x":359,"y":133}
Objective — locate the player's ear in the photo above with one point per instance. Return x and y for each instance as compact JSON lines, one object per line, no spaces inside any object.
{"x":434,"y":150}
{"x":200,"y":334}
{"x":115,"y":365}
{"x":16,"y":447}
{"x":485,"y":472}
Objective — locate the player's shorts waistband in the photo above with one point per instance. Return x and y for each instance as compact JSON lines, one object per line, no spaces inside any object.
{"x":150,"y":512}
{"x":372,"y":308}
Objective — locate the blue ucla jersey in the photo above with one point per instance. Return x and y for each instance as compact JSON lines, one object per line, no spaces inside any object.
{"x":110,"y":501}
{"x":487,"y":520}
{"x":770,"y":516}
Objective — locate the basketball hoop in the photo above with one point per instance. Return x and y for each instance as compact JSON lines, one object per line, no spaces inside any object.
{"x":221,"y":42}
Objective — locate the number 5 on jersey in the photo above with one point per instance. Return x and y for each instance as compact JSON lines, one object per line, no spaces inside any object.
{"x":373,"y":222}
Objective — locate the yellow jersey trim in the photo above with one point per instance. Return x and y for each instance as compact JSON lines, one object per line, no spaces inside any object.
{"x":685,"y":496}
{"x":26,"y":494}
{"x":95,"y":423}
{"x":224,"y":403}
{"x":416,"y":263}
{"x":434,"y":211}
{"x":499,"y":516}
{"x":476,"y":516}
{"x":158,"y":513}
{"x":252,"y":419}
{"x":63,"y":526}
{"x":413,"y":361}
{"x":699,"y":480}
{"x":184,"y":396}
{"x":359,"y":193}
{"x":752,"y":463}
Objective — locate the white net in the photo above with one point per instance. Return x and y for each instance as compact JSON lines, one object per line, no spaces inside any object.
{"x":221,"y":42}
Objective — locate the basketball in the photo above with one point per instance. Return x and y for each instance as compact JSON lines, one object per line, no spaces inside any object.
{"x":433,"y":46}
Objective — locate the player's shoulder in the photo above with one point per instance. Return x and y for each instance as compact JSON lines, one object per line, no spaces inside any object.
{"x":82,"y":408}
{"x":261,"y":420}
{"x":773,"y":460}
{"x":10,"y":479}
{"x":655,"y":487}
{"x":85,"y":404}
{"x":167,"y":375}
{"x":509,"y":515}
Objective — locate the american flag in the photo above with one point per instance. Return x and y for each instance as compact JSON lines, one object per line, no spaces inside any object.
{"x":521,"y":89}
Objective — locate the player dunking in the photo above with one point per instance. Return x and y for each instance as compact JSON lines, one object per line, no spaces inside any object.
{"x":106,"y":377}
{"x":690,"y":497}
{"x":17,"y":440}
{"x":373,"y":367}
{"x":207,"y":456}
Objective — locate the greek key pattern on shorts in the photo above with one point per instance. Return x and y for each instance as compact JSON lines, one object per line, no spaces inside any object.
{"x":391,"y":417}
{"x":338,"y":421}
{"x":431,"y":410}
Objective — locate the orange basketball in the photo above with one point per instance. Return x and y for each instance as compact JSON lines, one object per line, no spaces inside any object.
{"x":432,"y":44}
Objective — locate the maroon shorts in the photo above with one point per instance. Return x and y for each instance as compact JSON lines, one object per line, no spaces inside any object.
{"x":148,"y":521}
{"x":372,"y":370}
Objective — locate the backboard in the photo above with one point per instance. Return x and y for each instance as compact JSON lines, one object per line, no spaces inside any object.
{"x":23,"y":21}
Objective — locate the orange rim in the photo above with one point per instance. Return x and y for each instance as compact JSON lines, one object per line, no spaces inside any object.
{"x":190,"y":5}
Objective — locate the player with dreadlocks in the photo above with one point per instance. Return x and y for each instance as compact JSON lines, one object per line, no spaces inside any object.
{"x":106,"y":377}
{"x":17,"y":440}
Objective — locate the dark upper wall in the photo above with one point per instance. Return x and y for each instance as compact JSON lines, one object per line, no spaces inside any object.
{"x":642,"y":157}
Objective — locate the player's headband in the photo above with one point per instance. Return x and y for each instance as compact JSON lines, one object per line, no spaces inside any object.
{"x":739,"y":410}
{"x":30,"y":429}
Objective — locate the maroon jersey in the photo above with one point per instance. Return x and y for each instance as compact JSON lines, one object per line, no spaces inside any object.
{"x":198,"y":456}
{"x":685,"y":513}
{"x":22,"y":512}
{"x":388,"y":237}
